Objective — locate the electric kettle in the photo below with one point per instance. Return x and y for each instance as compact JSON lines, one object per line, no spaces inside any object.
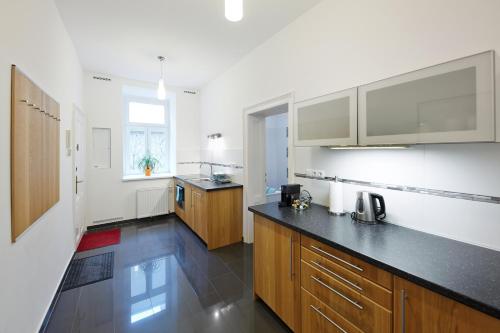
{"x":370,"y":207}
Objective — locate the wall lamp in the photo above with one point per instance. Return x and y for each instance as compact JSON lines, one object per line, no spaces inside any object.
{"x":214,"y":136}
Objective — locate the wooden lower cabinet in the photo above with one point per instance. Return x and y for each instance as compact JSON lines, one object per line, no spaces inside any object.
{"x":419,"y":310}
{"x":198,"y":221}
{"x":276,"y":269}
{"x":317,"y":317}
{"x":215,"y":216}
{"x":358,"y":309}
{"x":315,"y":288}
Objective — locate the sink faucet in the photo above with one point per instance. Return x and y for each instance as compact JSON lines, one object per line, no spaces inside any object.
{"x":211,"y":167}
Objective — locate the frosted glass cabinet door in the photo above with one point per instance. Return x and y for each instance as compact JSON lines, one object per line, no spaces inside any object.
{"x":450,"y":102}
{"x":329,"y":120}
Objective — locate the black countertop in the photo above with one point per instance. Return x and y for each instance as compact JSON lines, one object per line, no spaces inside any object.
{"x":206,"y":185}
{"x":466,"y":273}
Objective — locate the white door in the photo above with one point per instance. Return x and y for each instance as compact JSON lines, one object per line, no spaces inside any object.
{"x":80,"y":176}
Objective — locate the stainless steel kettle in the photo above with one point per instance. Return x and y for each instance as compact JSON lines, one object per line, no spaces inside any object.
{"x":370,"y":207}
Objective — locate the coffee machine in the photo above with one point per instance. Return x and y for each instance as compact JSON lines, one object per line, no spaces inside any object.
{"x":289,"y":193}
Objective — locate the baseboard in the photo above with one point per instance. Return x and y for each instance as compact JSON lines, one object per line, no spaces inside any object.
{"x":55,"y":299}
{"x":126,"y":222}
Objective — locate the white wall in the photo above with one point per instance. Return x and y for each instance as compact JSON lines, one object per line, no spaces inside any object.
{"x":33,"y":37}
{"x":340,"y":44}
{"x":108,"y":195}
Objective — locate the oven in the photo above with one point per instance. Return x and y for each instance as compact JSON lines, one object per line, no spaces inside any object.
{"x":179,"y":195}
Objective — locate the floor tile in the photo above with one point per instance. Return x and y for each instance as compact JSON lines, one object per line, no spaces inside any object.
{"x":165,"y":280}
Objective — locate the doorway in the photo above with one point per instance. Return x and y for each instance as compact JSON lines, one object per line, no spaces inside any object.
{"x":255,"y":154}
{"x":276,"y":153}
{"x":79,"y":172}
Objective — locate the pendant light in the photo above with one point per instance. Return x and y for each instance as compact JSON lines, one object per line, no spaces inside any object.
{"x":234,"y":10}
{"x":162,"y":93}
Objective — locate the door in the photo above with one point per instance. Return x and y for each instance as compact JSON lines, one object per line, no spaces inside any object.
{"x":276,"y":265}
{"x":80,"y":175}
{"x":329,"y":120}
{"x":419,"y":310}
{"x":199,"y":219}
{"x":450,"y":102}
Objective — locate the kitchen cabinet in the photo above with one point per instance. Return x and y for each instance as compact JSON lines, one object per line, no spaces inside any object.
{"x":355,"y":295}
{"x":417,"y":309}
{"x":198,"y":206}
{"x":215,"y":216}
{"x":317,"y":317}
{"x":276,"y":269}
{"x":450,"y":102}
{"x":329,"y":120}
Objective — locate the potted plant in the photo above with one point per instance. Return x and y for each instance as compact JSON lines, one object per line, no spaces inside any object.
{"x":148,"y":163}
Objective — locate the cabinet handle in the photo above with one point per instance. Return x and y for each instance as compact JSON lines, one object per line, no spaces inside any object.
{"x":403,"y":311}
{"x":318,"y":310}
{"x":337,"y":258}
{"x":291,"y":257}
{"x":352,"y":284}
{"x":356,"y":304}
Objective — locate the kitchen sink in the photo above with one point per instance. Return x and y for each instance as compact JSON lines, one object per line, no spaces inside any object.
{"x":199,"y":179}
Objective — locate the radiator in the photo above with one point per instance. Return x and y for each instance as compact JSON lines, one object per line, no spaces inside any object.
{"x":152,"y":202}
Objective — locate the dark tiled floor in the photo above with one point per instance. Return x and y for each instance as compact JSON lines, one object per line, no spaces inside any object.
{"x":165,"y":280}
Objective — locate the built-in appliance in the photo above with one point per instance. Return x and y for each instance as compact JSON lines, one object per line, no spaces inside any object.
{"x":179,"y":195}
{"x":370,"y":207}
{"x":289,"y":193}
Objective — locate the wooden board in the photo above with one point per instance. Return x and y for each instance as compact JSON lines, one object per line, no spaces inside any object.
{"x":277,"y":269}
{"x":429,"y":312}
{"x":34,"y":153}
{"x":225,"y":217}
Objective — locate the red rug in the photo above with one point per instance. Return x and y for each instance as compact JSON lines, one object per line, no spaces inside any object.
{"x":94,"y":240}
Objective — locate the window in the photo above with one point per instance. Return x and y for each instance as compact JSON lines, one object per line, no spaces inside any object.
{"x":147,"y":131}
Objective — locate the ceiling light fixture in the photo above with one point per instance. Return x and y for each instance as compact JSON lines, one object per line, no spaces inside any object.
{"x":162,"y":93}
{"x":234,"y":10}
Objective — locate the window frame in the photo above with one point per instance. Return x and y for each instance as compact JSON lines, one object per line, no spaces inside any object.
{"x":147,"y":128}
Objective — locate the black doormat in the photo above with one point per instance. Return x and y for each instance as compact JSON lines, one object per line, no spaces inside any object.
{"x":89,"y":270}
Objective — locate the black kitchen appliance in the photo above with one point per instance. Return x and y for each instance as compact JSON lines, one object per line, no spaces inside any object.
{"x":179,"y":195}
{"x":289,"y":193}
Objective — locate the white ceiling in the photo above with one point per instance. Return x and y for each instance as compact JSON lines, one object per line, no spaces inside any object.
{"x":124,"y":37}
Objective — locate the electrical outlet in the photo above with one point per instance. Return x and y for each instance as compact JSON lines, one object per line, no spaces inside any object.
{"x":321,"y":173}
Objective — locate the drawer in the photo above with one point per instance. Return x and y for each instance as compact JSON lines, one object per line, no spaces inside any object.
{"x":358,"y":309}
{"x":349,"y":262}
{"x":317,"y":317}
{"x":352,"y":280}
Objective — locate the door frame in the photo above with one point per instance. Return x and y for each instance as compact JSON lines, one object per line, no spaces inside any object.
{"x":254,"y":156}
{"x":71,"y":149}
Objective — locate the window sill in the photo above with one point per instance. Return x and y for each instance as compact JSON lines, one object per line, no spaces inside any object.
{"x":143,"y":177}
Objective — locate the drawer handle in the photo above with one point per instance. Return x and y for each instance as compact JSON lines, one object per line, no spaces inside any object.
{"x":356,"y":304}
{"x":403,"y":311}
{"x":318,"y":310}
{"x":337,"y":258}
{"x":354,"y":285}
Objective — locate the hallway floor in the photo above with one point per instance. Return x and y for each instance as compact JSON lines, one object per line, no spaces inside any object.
{"x":165,"y":280}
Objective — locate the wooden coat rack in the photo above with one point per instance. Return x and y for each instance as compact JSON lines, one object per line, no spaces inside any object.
{"x":35,"y":119}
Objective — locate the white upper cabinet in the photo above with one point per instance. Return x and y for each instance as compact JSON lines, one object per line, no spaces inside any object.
{"x":329,"y":120}
{"x":450,"y":102}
